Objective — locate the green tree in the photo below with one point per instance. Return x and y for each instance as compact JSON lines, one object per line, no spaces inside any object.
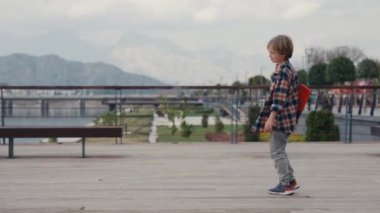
{"x":340,"y":70}
{"x":368,"y":69}
{"x":258,"y":80}
{"x":234,"y":84}
{"x":302,"y":76}
{"x":317,"y":74}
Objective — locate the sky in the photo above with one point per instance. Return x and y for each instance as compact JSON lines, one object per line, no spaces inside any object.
{"x":95,"y":28}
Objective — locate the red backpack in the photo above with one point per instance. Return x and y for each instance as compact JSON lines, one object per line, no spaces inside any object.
{"x":303,"y":97}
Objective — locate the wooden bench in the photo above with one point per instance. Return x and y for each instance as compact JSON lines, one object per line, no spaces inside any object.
{"x":375,"y":130}
{"x":12,"y":132}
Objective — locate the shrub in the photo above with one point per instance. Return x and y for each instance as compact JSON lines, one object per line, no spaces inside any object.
{"x":106,"y":119}
{"x":186,"y":129}
{"x":219,"y":126}
{"x":183,"y":125}
{"x":253,"y":113}
{"x":320,"y":126}
{"x":52,"y":140}
{"x":205,"y":121}
{"x":173,"y":129}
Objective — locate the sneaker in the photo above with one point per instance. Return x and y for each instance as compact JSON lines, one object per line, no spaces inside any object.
{"x":282,"y":190}
{"x":294,"y":184}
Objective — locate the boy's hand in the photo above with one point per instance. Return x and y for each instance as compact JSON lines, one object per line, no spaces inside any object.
{"x":268,"y":125}
{"x":270,"y":122}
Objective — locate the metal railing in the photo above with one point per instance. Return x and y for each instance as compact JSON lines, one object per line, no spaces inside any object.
{"x":234,"y":100}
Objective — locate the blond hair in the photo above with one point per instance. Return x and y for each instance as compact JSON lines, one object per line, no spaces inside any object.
{"x":282,"y":44}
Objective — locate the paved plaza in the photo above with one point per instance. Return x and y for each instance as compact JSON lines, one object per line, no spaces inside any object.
{"x":187,"y":177}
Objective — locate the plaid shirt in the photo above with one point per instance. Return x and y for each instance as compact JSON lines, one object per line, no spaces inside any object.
{"x":283,"y":99}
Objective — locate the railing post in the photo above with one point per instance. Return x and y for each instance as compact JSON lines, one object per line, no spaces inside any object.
{"x":237,"y":117}
{"x":373,"y":104}
{"x":2,"y":110}
{"x":351,"y":110}
{"x":340,"y":103}
{"x":361,"y":105}
{"x":232,"y":92}
{"x":118,"y":109}
{"x":82,"y":108}
{"x":115,"y":109}
{"x":348,"y":119}
{"x":121,"y":113}
{"x":234,"y":137}
{"x":346,"y":122}
{"x":115,"y":112}
{"x":316,"y":101}
{"x":44,"y":108}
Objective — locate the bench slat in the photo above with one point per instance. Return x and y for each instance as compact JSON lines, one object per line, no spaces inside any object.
{"x":375,"y":130}
{"x":40,"y":131}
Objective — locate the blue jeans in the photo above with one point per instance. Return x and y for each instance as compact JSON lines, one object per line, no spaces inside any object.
{"x":278,"y":141}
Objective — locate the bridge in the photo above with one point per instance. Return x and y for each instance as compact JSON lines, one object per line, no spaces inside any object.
{"x":26,"y":97}
{"x":84,"y":103}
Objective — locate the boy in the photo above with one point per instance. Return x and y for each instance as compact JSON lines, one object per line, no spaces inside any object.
{"x":278,"y":116}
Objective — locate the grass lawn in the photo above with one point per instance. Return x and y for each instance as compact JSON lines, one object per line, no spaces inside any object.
{"x":198,"y":135}
{"x":164,"y":134}
{"x":197,"y":112}
{"x":190,"y":111}
{"x":138,"y":129}
{"x":137,"y":124}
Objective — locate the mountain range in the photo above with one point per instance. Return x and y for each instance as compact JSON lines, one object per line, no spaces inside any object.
{"x":162,"y":58}
{"x":52,"y":70}
{"x":150,"y":55}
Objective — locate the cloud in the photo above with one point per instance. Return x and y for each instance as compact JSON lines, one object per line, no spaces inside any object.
{"x":299,"y":9}
{"x":219,"y":11}
{"x":161,"y":10}
{"x":206,"y":15}
{"x":172,"y":14}
{"x":85,"y":8}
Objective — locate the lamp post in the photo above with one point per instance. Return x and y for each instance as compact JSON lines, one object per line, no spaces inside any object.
{"x":303,"y":62}
{"x":261,"y":75}
{"x":308,"y":53}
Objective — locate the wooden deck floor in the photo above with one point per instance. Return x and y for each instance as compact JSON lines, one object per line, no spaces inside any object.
{"x":187,"y":177}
